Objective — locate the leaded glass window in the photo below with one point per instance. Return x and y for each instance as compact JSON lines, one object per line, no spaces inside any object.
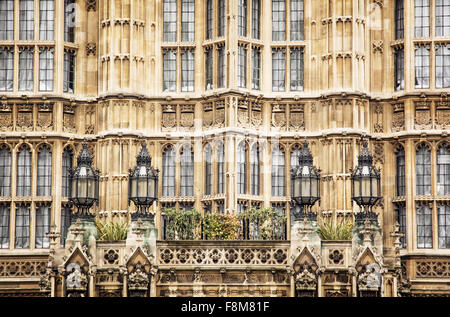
{"x":278,"y":173}
{"x":220,"y":169}
{"x":422,"y":66}
{"x":423,"y":170}
{"x":297,"y":18}
{"x":43,"y":213}
{"x":66,"y":212}
{"x":22,"y":238}
{"x":401,"y":219}
{"x":242,"y":66}
{"x":278,"y":20}
{"x":443,"y":170}
{"x":26,"y":20}
{"x":242,"y":18}
{"x":47,"y":20}
{"x":170,"y":21}
{"x":187,"y":70}
{"x":297,"y":69}
{"x":168,"y":172}
{"x":44,"y":172}
{"x":26,"y":69}
{"x":399,"y":74}
{"x":399,"y":20}
{"x":69,"y":71}
{"x":400,"y":172}
{"x":24,"y":172}
{"x":220,"y":207}
{"x":278,"y":70}
{"x":209,"y":69}
{"x":221,"y":18}
{"x":442,"y":18}
{"x":256,"y":68}
{"x":442,"y":65}
{"x":4,"y":226}
{"x":256,"y":19}
{"x":46,"y":66}
{"x":422,"y":18}
{"x":69,"y":20}
{"x":444,"y":226}
{"x":5,"y":171}
{"x":241,"y":174}
{"x":6,"y":69}
{"x":209,"y":19}
{"x":187,"y":172}
{"x":187,"y":20}
{"x":208,"y":170}
{"x":424,"y":227}
{"x":6,"y":20}
{"x":295,"y":156}
{"x":67,"y":162}
{"x":221,"y":67}
{"x":255,"y":170}
{"x":169,"y":70}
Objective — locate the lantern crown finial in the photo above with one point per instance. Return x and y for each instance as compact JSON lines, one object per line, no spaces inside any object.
{"x":305,"y":156}
{"x":365,"y":158}
{"x":84,"y":158}
{"x":143,"y":157}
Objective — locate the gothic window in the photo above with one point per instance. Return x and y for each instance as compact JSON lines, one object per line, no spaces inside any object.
{"x":65,"y":223}
{"x":6,"y":69}
{"x":424,"y":227}
{"x":187,"y":70}
{"x":278,"y":175}
{"x":170,"y":21}
{"x":242,"y":66}
{"x":422,"y":66}
{"x":221,"y":67}
{"x":422,"y":18}
{"x":69,"y":20}
{"x":44,"y":172}
{"x":442,"y":18}
{"x":255,"y":170}
{"x":26,"y":20}
{"x":295,"y":155}
{"x":4,"y":226}
{"x":47,"y":19}
{"x":256,"y":19}
{"x":208,"y":170}
{"x":221,"y":18}
{"x":26,"y":69}
{"x":278,"y":69}
{"x":46,"y":69}
{"x":209,"y":19}
{"x":399,"y":74}
{"x":69,"y":71}
{"x":170,"y":70}
{"x":256,"y":69}
{"x":444,"y":226}
{"x":279,"y":229}
{"x":187,"y":172}
{"x":399,"y":19}
{"x":24,"y":172}
{"x":278,"y":20}
{"x":168,"y":172}
{"x":5,"y":171}
{"x":400,"y":172}
{"x":209,"y":69}
{"x":242,"y":18}
{"x":22,"y":237}
{"x":187,"y":20}
{"x":443,"y":170}
{"x":297,"y":17}
{"x":297,"y":72}
{"x":220,"y":207}
{"x":220,"y":169}
{"x":442,"y":65}
{"x":6,"y":20}
{"x":401,"y":219}
{"x":42,"y":226}
{"x":67,"y":162}
{"x":423,"y":170}
{"x":241,"y":174}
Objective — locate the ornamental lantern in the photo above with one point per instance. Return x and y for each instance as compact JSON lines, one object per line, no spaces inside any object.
{"x":84,"y":180}
{"x":365,"y":180}
{"x":143,"y":184}
{"x":306,"y":182}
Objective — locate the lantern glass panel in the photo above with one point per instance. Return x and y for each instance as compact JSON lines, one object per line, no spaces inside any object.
{"x":151,"y":187}
{"x":306,"y":187}
{"x":375,"y":192}
{"x":365,"y":190}
{"x":315,"y":188}
{"x":356,"y":187}
{"x":142,"y":187}
{"x":133,"y":186}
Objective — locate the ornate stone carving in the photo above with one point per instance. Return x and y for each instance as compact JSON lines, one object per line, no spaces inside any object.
{"x":45,"y":117}
{"x":25,"y":117}
{"x":398,"y":118}
{"x":76,"y":281}
{"x":169,"y":117}
{"x":296,"y":117}
{"x":138,"y":280}
{"x":91,"y":5}
{"x":6,"y":119}
{"x":208,"y":114}
{"x":69,"y":119}
{"x":378,"y":152}
{"x":219,"y":120}
{"x":370,"y":280}
{"x":279,"y":116}
{"x":434,"y":269}
{"x":187,"y":116}
{"x":91,"y":49}
{"x":17,"y":268}
{"x":423,"y":116}
{"x":377,"y":46}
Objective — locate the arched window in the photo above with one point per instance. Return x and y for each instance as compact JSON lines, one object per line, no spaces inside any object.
{"x":4,"y":226}
{"x":400,"y":172}
{"x":5,"y":171}
{"x":241,"y":168}
{"x":187,"y":172}
{"x":424,"y":226}
{"x":208,"y":170}
{"x":295,"y":154}
{"x":24,"y":171}
{"x":423,"y":170}
{"x":44,"y":172}
{"x":168,"y":172}
{"x":42,"y":226}
{"x":67,"y":163}
{"x":443,"y":170}
{"x":278,"y":174}
{"x":22,"y":238}
{"x":220,"y":169}
{"x":254,"y":170}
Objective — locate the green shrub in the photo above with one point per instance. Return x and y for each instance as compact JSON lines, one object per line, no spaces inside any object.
{"x":220,"y":227}
{"x":342,"y":230}
{"x":182,"y":224}
{"x":263,"y":224}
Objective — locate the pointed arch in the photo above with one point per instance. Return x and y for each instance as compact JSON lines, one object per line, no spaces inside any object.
{"x":168,"y":170}
{"x":443,"y":169}
{"x":305,"y":260}
{"x":208,"y":169}
{"x":5,"y":170}
{"x":67,"y":165}
{"x":241,"y":167}
{"x":220,"y":152}
{"x":400,"y":179}
{"x":278,"y":171}
{"x":423,"y":169}
{"x":186,"y":171}
{"x":255,"y":169}
{"x":24,"y":170}
{"x":44,"y":170}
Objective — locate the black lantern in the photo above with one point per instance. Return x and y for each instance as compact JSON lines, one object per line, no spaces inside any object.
{"x":84,"y":180}
{"x":365,"y":180}
{"x":143,"y":184}
{"x":306,"y":183}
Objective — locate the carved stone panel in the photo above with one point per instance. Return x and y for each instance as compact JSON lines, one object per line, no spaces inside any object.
{"x":69,"y":119}
{"x":24,"y":117}
{"x":6,"y":117}
{"x":44,"y":119}
{"x":279,"y":116}
{"x":422,"y":118}
{"x":296,"y":117}
{"x":398,"y":118}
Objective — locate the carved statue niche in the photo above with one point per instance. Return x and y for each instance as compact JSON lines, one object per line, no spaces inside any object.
{"x":305,"y":278}
{"x":369,"y":275}
{"x":138,"y":268}
{"x":76,"y":272}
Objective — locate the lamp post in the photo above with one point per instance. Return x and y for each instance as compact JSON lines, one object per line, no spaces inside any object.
{"x":306,"y":184}
{"x":365,"y":180}
{"x":84,"y":181}
{"x":143,"y":185}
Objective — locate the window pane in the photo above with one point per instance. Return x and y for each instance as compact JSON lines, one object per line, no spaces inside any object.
{"x":443,"y":170}
{"x":209,"y":19}
{"x":242,"y":18}
{"x":44,"y":172}
{"x":278,"y":70}
{"x":69,"y":71}
{"x":442,"y":18}
{"x":187,"y":172}
{"x":65,"y":223}
{"x":187,"y":70}
{"x":170,"y":21}
{"x":187,"y":20}
{"x":278,"y":175}
{"x":209,"y":69}
{"x":442,"y":58}
{"x":255,"y":170}
{"x":221,"y":18}
{"x":24,"y":172}
{"x":221,"y":67}
{"x":278,"y":20}
{"x":6,"y":20}
{"x":69,"y":20}
{"x":5,"y":171}
{"x":422,"y":18}
{"x":67,"y":162}
{"x":26,"y":20}
{"x":242,"y":169}
{"x":401,"y":219}
{"x":6,"y":69}
{"x":424,"y":227}
{"x":169,"y":70}
{"x":22,"y":238}
{"x":26,"y":70}
{"x":220,"y":169}
{"x":400,"y":172}
{"x":47,"y":20}
{"x":242,"y":67}
{"x":297,"y":73}
{"x":168,"y":172}
{"x":4,"y":226}
{"x":297,"y":26}
{"x":42,"y":226}
{"x":256,"y":23}
{"x":256,"y":68}
{"x":46,"y":69}
{"x":399,"y":75}
{"x":422,"y":67}
{"x":208,"y":170}
{"x":399,"y":19}
{"x":423,"y":171}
